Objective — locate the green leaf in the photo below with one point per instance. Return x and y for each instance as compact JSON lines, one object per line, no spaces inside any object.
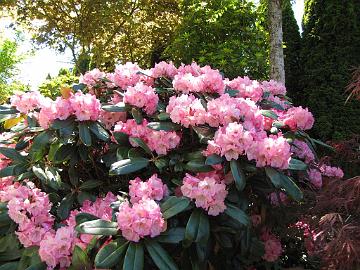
{"x":322,"y":144}
{"x":297,"y":165}
{"x":166,"y":126}
{"x":141,"y":143}
{"x":280,"y":180}
{"x":110,"y":255}
{"x":80,"y":260}
{"x":161,"y":163}
{"x":22,"y":144}
{"x":237,"y":214}
{"x":99,"y":131}
{"x":12,"y":154}
{"x":39,"y":145}
{"x":63,"y":152}
{"x":232,"y":92}
{"x":197,"y":228}
{"x":172,"y":236}
{"x":65,"y":206}
{"x":84,"y":134}
{"x":163,"y":116}
{"x":127,"y":166}
{"x":59,"y":124}
{"x":173,"y":206}
{"x":134,"y":258}
{"x":119,"y":107}
{"x":198,"y":166}
{"x":37,"y":266}
{"x":84,"y":217}
{"x":9,"y":266}
{"x":238,"y":174}
{"x":121,"y":138}
{"x":136,"y":114}
{"x":204,"y":133}
{"x":90,"y":184}
{"x":213,"y":159}
{"x":159,"y":256}
{"x":270,"y":114}
{"x":7,"y":109}
{"x":7,"y":171}
{"x":98,"y":227}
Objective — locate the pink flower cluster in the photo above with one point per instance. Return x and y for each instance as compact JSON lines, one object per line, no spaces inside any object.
{"x":142,"y":96}
{"x":92,"y":78}
{"x":29,"y":208}
{"x":301,"y":150}
{"x":208,"y":192}
{"x":247,"y":88}
{"x":273,"y":248}
{"x":315,"y":178}
{"x":159,"y":141}
{"x":198,"y":79}
{"x":298,"y":118}
{"x":329,"y":171}
{"x":109,"y":119}
{"x":231,"y":141}
{"x":276,"y":198}
{"x":274,"y":87}
{"x":26,"y":102}
{"x":56,"y":248}
{"x":153,"y":189}
{"x":164,"y":69}
{"x":142,"y":219}
{"x":85,"y":106}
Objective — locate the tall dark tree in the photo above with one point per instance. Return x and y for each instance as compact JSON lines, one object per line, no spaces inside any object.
{"x":331,"y":48}
{"x":292,"y":42}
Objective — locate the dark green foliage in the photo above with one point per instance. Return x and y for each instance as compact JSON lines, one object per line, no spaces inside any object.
{"x":292,"y":42}
{"x":225,"y":34}
{"x":331,"y":48}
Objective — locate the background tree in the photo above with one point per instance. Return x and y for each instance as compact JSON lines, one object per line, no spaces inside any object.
{"x":292,"y":47}
{"x":277,"y":70}
{"x":331,"y":48}
{"x":226,"y":34}
{"x":96,"y":31}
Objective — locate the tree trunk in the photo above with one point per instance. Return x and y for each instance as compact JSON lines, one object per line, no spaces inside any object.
{"x":277,"y":70}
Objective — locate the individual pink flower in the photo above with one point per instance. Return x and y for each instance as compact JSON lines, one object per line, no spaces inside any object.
{"x":63,"y":108}
{"x":164,"y":69}
{"x":142,"y":96}
{"x":275,"y":196}
{"x":186,"y":110}
{"x":56,"y":248}
{"x":47,"y":113}
{"x":274,"y":87}
{"x":231,"y":141}
{"x":301,"y":150}
{"x":142,"y":219}
{"x":92,"y":77}
{"x":247,"y":88}
{"x":208,"y":192}
{"x":85,"y":106}
{"x":271,"y":151}
{"x":153,"y":189}
{"x":26,"y":102}
{"x":315,"y":178}
{"x":255,"y":220}
{"x":298,"y":118}
{"x":273,"y":248}
{"x":329,"y":171}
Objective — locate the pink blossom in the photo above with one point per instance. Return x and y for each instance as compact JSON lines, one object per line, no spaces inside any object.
{"x":91,"y":78}
{"x":26,"y":102}
{"x":274,"y":87}
{"x":186,"y":110}
{"x":208,"y":192}
{"x":63,"y":108}
{"x":110,"y":118}
{"x":301,"y":150}
{"x":142,"y":219}
{"x":85,"y":106}
{"x":159,"y":141}
{"x":271,"y":151}
{"x":273,"y":248}
{"x":142,"y":96}
{"x":56,"y":248}
{"x":47,"y":113}
{"x":315,"y":177}
{"x":153,"y":189}
{"x":329,"y":171}
{"x":231,"y":141}
{"x":274,"y":198}
{"x":247,"y":88}
{"x":164,"y":69}
{"x":298,"y":118}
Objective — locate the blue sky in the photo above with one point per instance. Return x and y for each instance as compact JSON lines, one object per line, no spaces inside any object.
{"x":34,"y":69}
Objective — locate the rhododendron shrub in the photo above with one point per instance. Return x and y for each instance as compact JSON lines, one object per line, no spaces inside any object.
{"x":146,"y":169}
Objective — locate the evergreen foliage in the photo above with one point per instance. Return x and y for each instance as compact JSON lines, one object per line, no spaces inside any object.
{"x":331,"y":48}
